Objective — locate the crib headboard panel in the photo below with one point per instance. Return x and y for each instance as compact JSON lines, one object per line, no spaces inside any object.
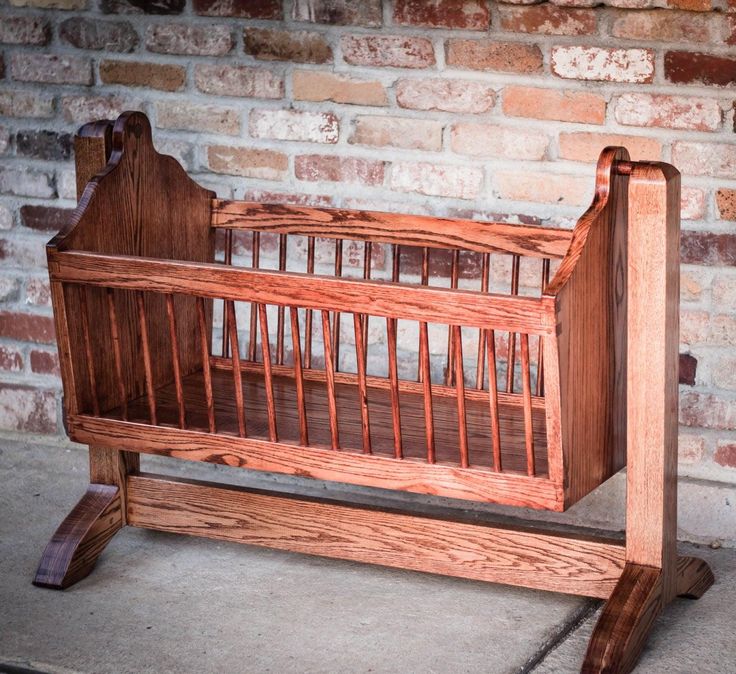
{"x":136,"y":202}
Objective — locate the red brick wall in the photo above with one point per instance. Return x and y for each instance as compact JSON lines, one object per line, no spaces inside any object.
{"x":447,"y":107}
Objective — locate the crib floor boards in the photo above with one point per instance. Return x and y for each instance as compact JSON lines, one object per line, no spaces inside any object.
{"x":412,"y":419}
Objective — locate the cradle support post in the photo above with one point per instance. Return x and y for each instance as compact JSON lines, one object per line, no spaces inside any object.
{"x":652,"y":576}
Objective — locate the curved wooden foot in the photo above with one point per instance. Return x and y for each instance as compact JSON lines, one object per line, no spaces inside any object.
{"x":75,"y":546}
{"x":694,"y":577}
{"x":626,"y":621}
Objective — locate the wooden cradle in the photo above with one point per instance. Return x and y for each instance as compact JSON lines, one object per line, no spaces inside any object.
{"x":182,"y":332}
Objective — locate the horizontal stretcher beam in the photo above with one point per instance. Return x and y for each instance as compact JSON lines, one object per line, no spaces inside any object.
{"x":540,"y":560}
{"x":531,"y":315}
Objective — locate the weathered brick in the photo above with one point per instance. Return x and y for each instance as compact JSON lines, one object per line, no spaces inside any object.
{"x":50,"y":4}
{"x":688,"y":368}
{"x":192,"y":117}
{"x":24,"y":327}
{"x":669,"y":26}
{"x":708,"y":248}
{"x":726,"y":204}
{"x":717,"y":160}
{"x":223,"y":80}
{"x":672,"y":112}
{"x":301,"y":199}
{"x":724,"y":293}
{"x":25,"y":182}
{"x":692,"y":203}
{"x":9,"y":288}
{"x":607,"y":65}
{"x":445,"y":95}
{"x":388,"y":51}
{"x":38,"y":291}
{"x":415,"y":134}
{"x":181,"y":38}
{"x":22,"y":253}
{"x":432,"y":179}
{"x":691,"y":5}
{"x":339,"y":12}
{"x":706,"y":410}
{"x":49,"y":145}
{"x":248,"y":162}
{"x":695,"y":325}
{"x":27,"y":409}
{"x":555,"y":104}
{"x":244,"y":9}
{"x":463,"y":14}
{"x":584,"y":146}
{"x":486,"y":54}
{"x":162,"y":76}
{"x":161,"y":7}
{"x":723,"y":330}
{"x":24,"y":30}
{"x":492,"y":140}
{"x":548,"y":20}
{"x":4,"y":139}
{"x":45,"y":362}
{"x":311,"y":127}
{"x":6,"y":217}
{"x":82,"y":109}
{"x":298,"y":46}
{"x":548,"y":188}
{"x":93,"y":34}
{"x":50,"y":68}
{"x":45,"y":218}
{"x":313,"y":85}
{"x":684,"y":67}
{"x":725,"y":454}
{"x":11,"y":359}
{"x":724,"y":375}
{"x":26,"y":104}
{"x":690,"y":449}
{"x":315,"y":167}
{"x":693,"y":282}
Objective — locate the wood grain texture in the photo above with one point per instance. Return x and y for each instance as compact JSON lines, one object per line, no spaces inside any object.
{"x":694,"y":577}
{"x":547,"y":561}
{"x":392,"y":228}
{"x":80,"y":539}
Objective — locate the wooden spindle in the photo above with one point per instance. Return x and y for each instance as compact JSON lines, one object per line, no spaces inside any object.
{"x":424,"y":280}
{"x":281,"y":309}
{"x":267,"y":374}
{"x":91,"y":375}
{"x":228,"y":261}
{"x":330,"y":379}
{"x":237,"y":375}
{"x":396,"y":263}
{"x":393,"y":375}
{"x":367,"y":255}
{"x":540,"y":343}
{"x":299,"y":377}
{"x":527,"y":396}
{"x":493,"y":398}
{"x":147,"y":367}
{"x":450,"y":368}
{"x":426,"y":379}
{"x":308,"y":317}
{"x":175,"y":361}
{"x":117,"y":356}
{"x":336,"y":324}
{"x":511,"y":352}
{"x":253,"y":328}
{"x":480,"y":374}
{"x":462,"y":424}
{"x":360,"y":359}
{"x":206,"y":373}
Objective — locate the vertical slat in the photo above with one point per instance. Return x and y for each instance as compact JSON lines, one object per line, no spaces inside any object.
{"x":511,"y":353}
{"x":308,"y":317}
{"x":148,"y":368}
{"x":426,"y":379}
{"x":527,"y":396}
{"x":253,"y":328}
{"x":237,"y":376}
{"x":267,"y":374}
{"x":175,"y":360}
{"x":540,"y":343}
{"x":299,"y":377}
{"x":462,"y":424}
{"x":493,"y":398}
{"x":360,"y":359}
{"x":480,"y":373}
{"x":450,"y":369}
{"x":117,"y":357}
{"x":424,"y":281}
{"x":336,"y":318}
{"x":228,"y":261}
{"x":393,"y":375}
{"x":330,"y":378}
{"x":281,"y":309}
{"x":367,"y":255}
{"x":203,"y":340}
{"x":91,"y":375}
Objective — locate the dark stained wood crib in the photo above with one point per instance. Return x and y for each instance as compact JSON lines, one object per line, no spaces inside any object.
{"x":500,"y":363}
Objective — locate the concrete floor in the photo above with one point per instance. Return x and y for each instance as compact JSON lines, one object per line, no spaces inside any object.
{"x":164,"y":603}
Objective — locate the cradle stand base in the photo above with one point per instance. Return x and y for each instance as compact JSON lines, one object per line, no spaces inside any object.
{"x":533,"y":558}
